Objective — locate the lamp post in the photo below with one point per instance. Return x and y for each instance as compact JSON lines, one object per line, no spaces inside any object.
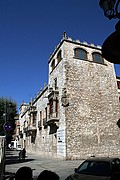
{"x":7,"y":127}
{"x":111,"y":46}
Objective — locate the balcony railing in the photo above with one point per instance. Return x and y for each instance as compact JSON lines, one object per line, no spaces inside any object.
{"x":32,"y":127}
{"x":53,"y":117}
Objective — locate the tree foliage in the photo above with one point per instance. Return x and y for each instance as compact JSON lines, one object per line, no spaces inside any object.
{"x":7,"y":115}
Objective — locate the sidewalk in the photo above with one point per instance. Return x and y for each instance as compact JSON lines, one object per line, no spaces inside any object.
{"x":62,"y":167}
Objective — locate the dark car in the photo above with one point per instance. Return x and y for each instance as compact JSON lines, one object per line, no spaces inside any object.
{"x":97,"y":169}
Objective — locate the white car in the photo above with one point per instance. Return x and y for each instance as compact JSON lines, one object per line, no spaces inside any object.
{"x":18,"y":148}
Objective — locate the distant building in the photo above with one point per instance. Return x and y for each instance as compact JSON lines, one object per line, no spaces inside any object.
{"x":16,"y":131}
{"x":75,"y":116}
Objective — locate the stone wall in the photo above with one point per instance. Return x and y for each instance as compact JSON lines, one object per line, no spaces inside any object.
{"x":59,"y":73}
{"x":93,"y":110}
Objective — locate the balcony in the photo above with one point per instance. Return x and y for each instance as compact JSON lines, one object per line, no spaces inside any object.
{"x":53,"y":118}
{"x":25,"y":129}
{"x":53,"y":122}
{"x":32,"y":127}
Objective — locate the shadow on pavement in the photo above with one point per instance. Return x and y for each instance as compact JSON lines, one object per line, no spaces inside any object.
{"x":14,"y":160}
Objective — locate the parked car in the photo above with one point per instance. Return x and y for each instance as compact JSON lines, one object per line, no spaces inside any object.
{"x":97,"y":169}
{"x":18,"y":148}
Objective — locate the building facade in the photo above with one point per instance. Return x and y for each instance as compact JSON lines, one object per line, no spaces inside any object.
{"x":76,"y":115}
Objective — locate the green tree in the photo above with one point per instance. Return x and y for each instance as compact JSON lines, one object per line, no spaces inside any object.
{"x":7,"y":118}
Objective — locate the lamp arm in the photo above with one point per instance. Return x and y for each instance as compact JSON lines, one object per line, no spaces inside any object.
{"x":116,"y":9}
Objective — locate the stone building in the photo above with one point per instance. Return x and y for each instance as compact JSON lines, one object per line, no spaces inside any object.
{"x":76,"y":115}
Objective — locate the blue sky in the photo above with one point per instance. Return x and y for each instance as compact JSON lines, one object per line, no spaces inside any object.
{"x":29,"y":31}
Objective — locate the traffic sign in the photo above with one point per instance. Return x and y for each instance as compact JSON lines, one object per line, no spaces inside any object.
{"x":7,"y":126}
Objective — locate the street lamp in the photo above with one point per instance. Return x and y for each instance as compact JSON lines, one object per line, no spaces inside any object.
{"x":111,"y":46}
{"x":110,"y":8}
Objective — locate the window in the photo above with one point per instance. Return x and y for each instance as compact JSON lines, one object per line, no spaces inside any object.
{"x":46,"y":113}
{"x":53,"y":64}
{"x":59,"y":56}
{"x":51,"y":106}
{"x":118,"y":84}
{"x":56,"y":107}
{"x":34,"y":118}
{"x":80,"y":53}
{"x":97,"y":57}
{"x":83,"y":167}
{"x":45,"y":118}
{"x":40,"y":118}
{"x":55,"y":80}
{"x":95,"y":168}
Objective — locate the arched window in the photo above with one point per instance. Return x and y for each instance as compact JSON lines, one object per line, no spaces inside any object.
{"x":118,"y":84}
{"x":59,"y":57}
{"x":80,"y":53}
{"x":97,"y":57}
{"x":53,"y":64}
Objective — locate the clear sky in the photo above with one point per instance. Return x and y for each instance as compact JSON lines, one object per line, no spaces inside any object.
{"x":29,"y":31}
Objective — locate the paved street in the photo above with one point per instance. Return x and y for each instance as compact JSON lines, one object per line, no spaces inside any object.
{"x":62,"y":167}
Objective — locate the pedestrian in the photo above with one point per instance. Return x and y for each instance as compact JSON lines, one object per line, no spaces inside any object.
{"x":20,"y":155}
{"x":48,"y":175}
{"x":24,"y":173}
{"x":23,"y":153}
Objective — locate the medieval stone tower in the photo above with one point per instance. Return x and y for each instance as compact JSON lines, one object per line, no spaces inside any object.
{"x":88,"y":101}
{"x":76,"y":115}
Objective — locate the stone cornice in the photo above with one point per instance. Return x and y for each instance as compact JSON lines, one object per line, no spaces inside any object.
{"x":85,"y":44}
